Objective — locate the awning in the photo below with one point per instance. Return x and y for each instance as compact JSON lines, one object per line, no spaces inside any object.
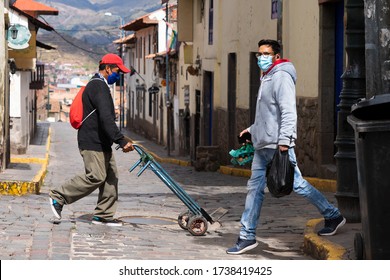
{"x":140,"y":23}
{"x":40,"y":24}
{"x":160,"y":54}
{"x":31,"y":7}
{"x":126,"y":40}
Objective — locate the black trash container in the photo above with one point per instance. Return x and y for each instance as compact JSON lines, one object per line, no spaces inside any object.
{"x":371,"y":121}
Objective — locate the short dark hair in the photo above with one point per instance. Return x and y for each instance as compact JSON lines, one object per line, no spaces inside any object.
{"x":274,"y":45}
{"x":103,"y":66}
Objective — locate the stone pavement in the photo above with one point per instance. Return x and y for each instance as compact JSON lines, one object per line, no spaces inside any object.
{"x":150,"y":210}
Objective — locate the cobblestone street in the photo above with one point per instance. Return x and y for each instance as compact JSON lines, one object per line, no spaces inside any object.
{"x":150,"y":210}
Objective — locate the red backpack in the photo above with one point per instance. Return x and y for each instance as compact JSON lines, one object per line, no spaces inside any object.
{"x":76,"y":112}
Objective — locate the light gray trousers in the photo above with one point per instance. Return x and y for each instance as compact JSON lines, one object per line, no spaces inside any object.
{"x":100,"y":173}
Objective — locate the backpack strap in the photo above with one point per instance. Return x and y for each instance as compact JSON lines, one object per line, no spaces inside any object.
{"x":100,"y":79}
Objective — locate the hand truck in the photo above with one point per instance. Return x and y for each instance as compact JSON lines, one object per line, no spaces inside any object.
{"x":195,"y":219}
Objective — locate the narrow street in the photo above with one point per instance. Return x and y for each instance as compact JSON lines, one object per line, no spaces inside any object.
{"x":150,"y":210}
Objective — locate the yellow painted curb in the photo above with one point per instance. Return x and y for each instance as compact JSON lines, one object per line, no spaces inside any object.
{"x":19,"y":188}
{"x":239,"y":172}
{"x":325,"y":185}
{"x":319,"y":247}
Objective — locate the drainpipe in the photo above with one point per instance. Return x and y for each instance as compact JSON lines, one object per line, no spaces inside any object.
{"x":279,"y":27}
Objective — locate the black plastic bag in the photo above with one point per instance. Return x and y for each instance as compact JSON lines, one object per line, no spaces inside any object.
{"x":280,"y":174}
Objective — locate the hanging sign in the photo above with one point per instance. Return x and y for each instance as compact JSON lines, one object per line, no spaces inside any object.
{"x":18,"y":36}
{"x":153,"y":90}
{"x":275,"y":9}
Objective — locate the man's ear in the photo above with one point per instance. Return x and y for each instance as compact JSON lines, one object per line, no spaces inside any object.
{"x":277,"y":56}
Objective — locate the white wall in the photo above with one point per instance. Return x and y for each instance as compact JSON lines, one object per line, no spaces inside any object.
{"x":15,"y":95}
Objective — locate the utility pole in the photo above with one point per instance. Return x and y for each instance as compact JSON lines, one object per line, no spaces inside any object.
{"x":121,"y":84}
{"x":167,"y":96}
{"x":121,"y":80}
{"x":48,"y":105}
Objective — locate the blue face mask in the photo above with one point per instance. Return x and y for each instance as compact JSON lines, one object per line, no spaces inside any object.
{"x":264,"y":62}
{"x":113,"y":78}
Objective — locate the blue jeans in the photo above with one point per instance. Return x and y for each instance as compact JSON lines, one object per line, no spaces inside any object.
{"x":255,"y":196}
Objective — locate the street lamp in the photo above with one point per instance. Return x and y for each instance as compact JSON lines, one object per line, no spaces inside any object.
{"x":121,"y":93}
{"x":121,"y":23}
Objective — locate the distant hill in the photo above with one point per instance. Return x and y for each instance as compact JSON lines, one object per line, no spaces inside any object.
{"x":83,"y":24}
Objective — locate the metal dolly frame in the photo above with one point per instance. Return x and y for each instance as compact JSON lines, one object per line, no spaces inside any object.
{"x":195,"y":219}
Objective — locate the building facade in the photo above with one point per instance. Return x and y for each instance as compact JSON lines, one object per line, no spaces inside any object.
{"x":222,"y":77}
{"x":214,"y":76}
{"x":28,"y":75}
{"x":4,"y":88}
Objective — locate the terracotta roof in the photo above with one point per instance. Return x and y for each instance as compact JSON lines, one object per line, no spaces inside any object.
{"x":160,"y":54}
{"x":31,"y":6}
{"x":140,"y":23}
{"x":126,"y":40}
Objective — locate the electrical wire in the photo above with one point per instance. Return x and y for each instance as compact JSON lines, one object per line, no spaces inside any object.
{"x":69,"y":42}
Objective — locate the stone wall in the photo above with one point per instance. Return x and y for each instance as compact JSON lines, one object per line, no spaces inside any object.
{"x":307,"y":139}
{"x":207,"y":158}
{"x":306,"y":145}
{"x":221,"y":131}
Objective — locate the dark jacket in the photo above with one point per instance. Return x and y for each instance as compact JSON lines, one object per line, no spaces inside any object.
{"x":99,"y":131}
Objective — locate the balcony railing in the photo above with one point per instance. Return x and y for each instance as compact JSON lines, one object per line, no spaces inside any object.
{"x":38,"y":77}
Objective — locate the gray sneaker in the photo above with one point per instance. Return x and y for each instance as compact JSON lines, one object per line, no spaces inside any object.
{"x":242,"y":246}
{"x":107,"y":222}
{"x":56,"y":207}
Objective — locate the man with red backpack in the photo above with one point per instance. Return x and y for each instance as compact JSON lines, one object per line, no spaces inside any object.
{"x":95,"y":137}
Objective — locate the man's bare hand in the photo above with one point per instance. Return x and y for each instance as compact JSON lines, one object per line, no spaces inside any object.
{"x":128,"y":147}
{"x":283,"y":148}
{"x":243,"y":132}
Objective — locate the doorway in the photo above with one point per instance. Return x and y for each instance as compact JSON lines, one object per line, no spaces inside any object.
{"x":208,"y":82}
{"x":232,"y":96}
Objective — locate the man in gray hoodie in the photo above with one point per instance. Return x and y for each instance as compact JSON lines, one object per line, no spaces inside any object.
{"x":275,"y":127}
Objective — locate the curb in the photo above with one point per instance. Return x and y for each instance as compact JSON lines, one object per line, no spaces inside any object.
{"x":318,"y":247}
{"x":325,"y":185}
{"x":19,"y":188}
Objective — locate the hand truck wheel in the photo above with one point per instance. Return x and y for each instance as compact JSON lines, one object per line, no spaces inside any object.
{"x":197,"y":225}
{"x":183,"y":219}
{"x":359,"y":246}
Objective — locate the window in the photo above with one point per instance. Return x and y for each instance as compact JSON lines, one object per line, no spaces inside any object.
{"x":211,"y":21}
{"x":140,"y":93}
{"x":150,"y":44}
{"x":144,"y":52}
{"x":139,"y":51}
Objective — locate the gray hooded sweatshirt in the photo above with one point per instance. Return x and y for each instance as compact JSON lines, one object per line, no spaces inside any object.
{"x":276,"y":113}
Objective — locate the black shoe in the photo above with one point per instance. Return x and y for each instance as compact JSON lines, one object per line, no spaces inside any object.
{"x":332,"y":225}
{"x":56,"y":208}
{"x":242,"y":246}
{"x":107,"y":222}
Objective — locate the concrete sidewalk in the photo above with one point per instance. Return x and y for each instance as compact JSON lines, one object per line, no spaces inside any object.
{"x":27,"y":172}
